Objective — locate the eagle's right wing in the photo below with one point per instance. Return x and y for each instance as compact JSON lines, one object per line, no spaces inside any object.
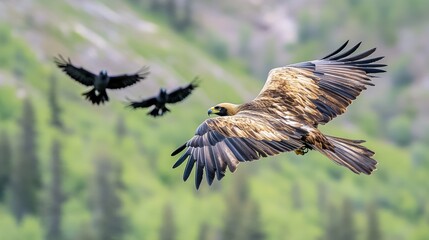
{"x":223,"y":142}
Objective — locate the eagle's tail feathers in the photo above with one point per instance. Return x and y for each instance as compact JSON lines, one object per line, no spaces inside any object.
{"x":351,"y":154}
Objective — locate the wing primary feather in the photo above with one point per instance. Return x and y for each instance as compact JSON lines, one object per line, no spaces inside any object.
{"x":178,"y":150}
{"x":182,"y":159}
{"x":223,"y":163}
{"x":189,"y":166}
{"x":369,"y":65}
{"x":359,"y":56}
{"x":366,"y":61}
{"x":374,"y":70}
{"x":352,"y":50}
{"x":219,"y":171}
{"x":338,"y":50}
{"x":209,"y":164}
{"x":199,"y":173}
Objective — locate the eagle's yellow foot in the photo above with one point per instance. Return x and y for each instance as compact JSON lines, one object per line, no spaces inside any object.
{"x":301,"y":151}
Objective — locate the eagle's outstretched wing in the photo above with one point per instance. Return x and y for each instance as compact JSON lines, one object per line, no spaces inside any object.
{"x":182,"y":92}
{"x":320,"y":90}
{"x":122,"y":81}
{"x":77,"y":73}
{"x":223,"y":142}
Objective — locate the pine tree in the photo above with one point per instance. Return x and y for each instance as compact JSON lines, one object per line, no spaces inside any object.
{"x":168,"y":227}
{"x":5,"y":163}
{"x":187,"y":20}
{"x":254,"y":227}
{"x":54,"y":105}
{"x":347,"y":230}
{"x":236,"y":200}
{"x":171,"y":11}
{"x":242,"y":220}
{"x":374,"y":232}
{"x":26,"y":180}
{"x":204,"y":233}
{"x":332,"y":224}
{"x":106,"y":204}
{"x":55,"y":195}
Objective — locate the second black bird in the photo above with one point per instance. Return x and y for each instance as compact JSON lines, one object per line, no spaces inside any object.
{"x":163,"y":98}
{"x":99,"y":82}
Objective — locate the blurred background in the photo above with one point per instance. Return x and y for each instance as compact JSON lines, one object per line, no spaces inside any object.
{"x":70,"y":170}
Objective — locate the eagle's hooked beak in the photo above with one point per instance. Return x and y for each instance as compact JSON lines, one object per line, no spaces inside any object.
{"x":212,"y":110}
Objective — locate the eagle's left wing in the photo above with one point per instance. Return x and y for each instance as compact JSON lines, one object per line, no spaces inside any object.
{"x":122,"y":81}
{"x":319,"y":90}
{"x":223,"y":142}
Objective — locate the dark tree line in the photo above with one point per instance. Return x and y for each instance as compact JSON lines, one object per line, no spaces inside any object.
{"x":243,"y":215}
{"x":168,"y":230}
{"x":55,"y":194}
{"x":21,"y":184}
{"x":25,"y":173}
{"x":106,"y":204}
{"x":340,"y":224}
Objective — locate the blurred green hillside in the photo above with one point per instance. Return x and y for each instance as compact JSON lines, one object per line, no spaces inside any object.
{"x":70,"y":170}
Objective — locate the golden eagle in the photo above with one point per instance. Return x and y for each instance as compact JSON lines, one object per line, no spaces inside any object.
{"x":284,"y":117}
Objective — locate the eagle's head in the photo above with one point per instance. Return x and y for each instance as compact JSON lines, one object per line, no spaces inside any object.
{"x":224,"y":109}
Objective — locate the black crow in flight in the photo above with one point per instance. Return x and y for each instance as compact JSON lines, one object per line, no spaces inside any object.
{"x":163,"y":98}
{"x":99,"y":82}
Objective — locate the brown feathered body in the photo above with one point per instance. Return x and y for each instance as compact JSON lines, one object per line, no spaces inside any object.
{"x":284,"y":117}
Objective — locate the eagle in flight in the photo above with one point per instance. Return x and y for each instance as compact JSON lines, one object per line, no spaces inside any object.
{"x":284,"y":117}
{"x":99,"y":82}
{"x":164,"y":98}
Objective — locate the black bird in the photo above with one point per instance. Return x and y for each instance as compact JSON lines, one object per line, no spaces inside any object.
{"x":100,"y":82}
{"x":163,"y":98}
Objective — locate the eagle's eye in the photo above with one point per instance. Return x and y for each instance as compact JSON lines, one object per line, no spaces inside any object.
{"x":217,"y":108}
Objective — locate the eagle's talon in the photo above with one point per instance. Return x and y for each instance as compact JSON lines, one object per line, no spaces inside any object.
{"x":301,"y":151}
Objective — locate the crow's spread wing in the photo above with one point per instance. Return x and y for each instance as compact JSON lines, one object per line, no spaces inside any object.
{"x":145,"y":103}
{"x":122,"y":81}
{"x":77,"y":73}
{"x":182,"y":92}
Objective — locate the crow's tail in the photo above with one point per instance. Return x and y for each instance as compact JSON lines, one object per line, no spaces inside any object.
{"x":96,"y":97}
{"x":158,"y":111}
